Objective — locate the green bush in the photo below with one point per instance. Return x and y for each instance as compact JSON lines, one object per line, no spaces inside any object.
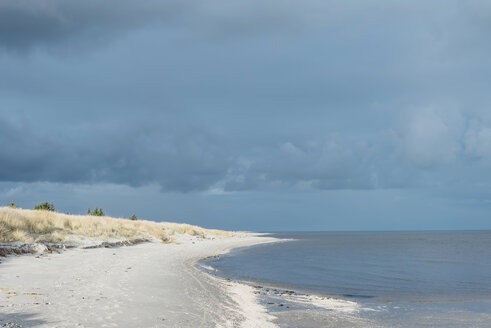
{"x":133,"y":217}
{"x":96,"y":212}
{"x":12,"y":205}
{"x":45,"y":207}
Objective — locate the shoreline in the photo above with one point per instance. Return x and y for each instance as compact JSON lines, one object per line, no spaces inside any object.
{"x":145,"y":285}
{"x":245,"y":295}
{"x":287,"y":298}
{"x":274,"y":305}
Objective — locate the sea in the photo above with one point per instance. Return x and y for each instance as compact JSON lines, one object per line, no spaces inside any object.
{"x":368,"y":279}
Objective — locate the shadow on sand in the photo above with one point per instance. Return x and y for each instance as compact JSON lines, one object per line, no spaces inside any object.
{"x":16,"y":320}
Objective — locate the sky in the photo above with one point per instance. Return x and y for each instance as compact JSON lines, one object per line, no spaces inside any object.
{"x":252,"y":115}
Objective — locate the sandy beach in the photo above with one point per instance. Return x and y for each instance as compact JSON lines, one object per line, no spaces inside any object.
{"x":147,"y":285}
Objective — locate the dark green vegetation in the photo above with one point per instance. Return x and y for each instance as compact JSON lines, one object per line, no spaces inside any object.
{"x":51,"y":207}
{"x":96,"y":212}
{"x":45,"y":207}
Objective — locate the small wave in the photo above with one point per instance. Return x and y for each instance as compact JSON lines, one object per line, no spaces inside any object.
{"x":327,"y":303}
{"x":207,"y":267}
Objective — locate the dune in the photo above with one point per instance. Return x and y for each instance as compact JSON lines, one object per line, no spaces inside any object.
{"x":41,"y":226}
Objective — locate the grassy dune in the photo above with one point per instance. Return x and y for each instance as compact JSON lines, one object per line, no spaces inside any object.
{"x":30,"y":226}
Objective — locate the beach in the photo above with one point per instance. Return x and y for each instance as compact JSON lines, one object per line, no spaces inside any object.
{"x":216,"y":279}
{"x":151,"y":284}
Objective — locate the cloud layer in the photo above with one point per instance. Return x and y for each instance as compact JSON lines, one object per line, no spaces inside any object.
{"x":185,"y":159}
{"x":228,"y":97}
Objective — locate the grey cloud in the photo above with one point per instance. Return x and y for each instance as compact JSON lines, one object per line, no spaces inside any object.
{"x":333,"y":163}
{"x":477,"y":140}
{"x":186,"y":161}
{"x":430,"y":136}
{"x":25,"y":23}
{"x":185,"y":158}
{"x":182,"y":159}
{"x":274,"y":102}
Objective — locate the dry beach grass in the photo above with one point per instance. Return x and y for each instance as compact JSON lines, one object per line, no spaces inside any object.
{"x":34,"y":226}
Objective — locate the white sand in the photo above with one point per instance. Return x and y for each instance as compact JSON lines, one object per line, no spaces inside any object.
{"x":148,"y":285}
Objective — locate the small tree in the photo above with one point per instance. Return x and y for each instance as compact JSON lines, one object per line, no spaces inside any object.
{"x":45,"y":207}
{"x":96,"y":212}
{"x":12,"y":205}
{"x":133,"y":217}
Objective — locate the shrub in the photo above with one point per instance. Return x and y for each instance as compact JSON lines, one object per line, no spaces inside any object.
{"x":96,"y":212}
{"x":133,"y":217}
{"x":12,"y":205}
{"x":45,"y":206}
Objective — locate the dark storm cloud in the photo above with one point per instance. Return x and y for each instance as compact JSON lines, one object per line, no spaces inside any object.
{"x":313,"y":94}
{"x":132,"y":156}
{"x":138,"y":152}
{"x":192,"y":159}
{"x":25,"y":23}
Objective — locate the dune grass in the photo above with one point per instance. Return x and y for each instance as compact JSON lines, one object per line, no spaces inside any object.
{"x":29,"y":226}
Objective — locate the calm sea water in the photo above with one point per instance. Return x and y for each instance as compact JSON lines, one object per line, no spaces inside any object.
{"x":440,"y":278}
